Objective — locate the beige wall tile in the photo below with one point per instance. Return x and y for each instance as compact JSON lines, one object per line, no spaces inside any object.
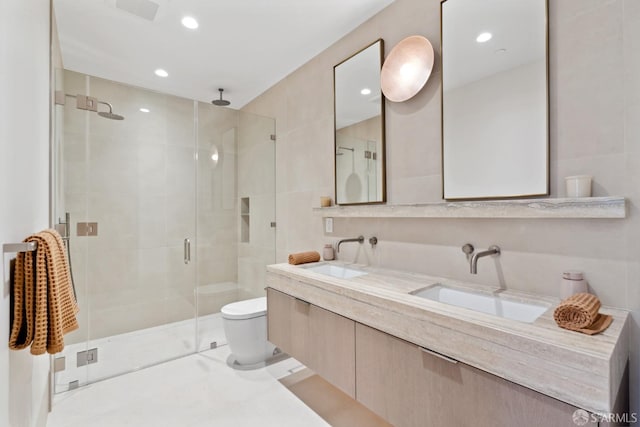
{"x":152,"y":221}
{"x":262,"y":213}
{"x":75,"y":178}
{"x":413,"y":148}
{"x":181,"y":174}
{"x":136,"y":178}
{"x":217,"y":263}
{"x":256,"y":173}
{"x":117,"y":217}
{"x":420,"y":189}
{"x":180,"y":218}
{"x":594,"y":129}
{"x":152,"y":168}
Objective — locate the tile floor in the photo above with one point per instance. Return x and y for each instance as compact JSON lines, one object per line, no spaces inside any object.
{"x":333,"y":405}
{"x":195,"y":391}
{"x":135,"y":350}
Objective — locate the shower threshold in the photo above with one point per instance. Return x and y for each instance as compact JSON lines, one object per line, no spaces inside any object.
{"x":132,"y":351}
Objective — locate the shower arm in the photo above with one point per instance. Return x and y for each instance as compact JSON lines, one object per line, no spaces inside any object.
{"x":97,"y":100}
{"x":108,"y":105}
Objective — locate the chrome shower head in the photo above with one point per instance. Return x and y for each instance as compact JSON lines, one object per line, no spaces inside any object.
{"x":220,"y":102}
{"x":109,"y":115}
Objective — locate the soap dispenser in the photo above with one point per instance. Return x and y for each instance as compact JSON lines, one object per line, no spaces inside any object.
{"x":572,"y":283}
{"x":327,"y":253}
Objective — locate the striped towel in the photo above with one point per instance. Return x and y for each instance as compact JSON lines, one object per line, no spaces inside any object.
{"x":304,"y":257}
{"x":579,"y":313}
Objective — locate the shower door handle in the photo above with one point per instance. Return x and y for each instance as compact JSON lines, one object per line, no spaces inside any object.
{"x":187,"y":251}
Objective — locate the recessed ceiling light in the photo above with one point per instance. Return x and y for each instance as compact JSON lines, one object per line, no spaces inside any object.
{"x":190,"y":22}
{"x":502,"y":50}
{"x":161,"y":73}
{"x":145,"y":110}
{"x":366,"y":91}
{"x":484,"y":37}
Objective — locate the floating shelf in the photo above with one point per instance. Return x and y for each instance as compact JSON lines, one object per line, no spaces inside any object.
{"x":588,"y":207}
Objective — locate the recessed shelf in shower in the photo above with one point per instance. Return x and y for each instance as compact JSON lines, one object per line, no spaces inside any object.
{"x":244,"y":219}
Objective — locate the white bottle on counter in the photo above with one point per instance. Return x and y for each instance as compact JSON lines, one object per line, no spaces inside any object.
{"x":327,"y":253}
{"x":572,"y":283}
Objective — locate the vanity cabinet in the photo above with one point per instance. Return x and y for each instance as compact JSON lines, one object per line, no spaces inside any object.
{"x":411,"y":387}
{"x":321,"y":340}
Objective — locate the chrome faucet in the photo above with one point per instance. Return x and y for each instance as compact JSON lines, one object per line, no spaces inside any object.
{"x":359,"y":239}
{"x":493,"y":250}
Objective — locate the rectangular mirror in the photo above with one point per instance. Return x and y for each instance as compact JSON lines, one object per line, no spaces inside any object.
{"x":359,"y":128}
{"x":495,"y":137}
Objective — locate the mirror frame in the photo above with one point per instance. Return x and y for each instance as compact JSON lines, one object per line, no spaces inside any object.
{"x":547,"y":116}
{"x":383,"y":149}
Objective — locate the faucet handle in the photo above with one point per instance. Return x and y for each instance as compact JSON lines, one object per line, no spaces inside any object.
{"x":373,"y":241}
{"x":468,"y":248}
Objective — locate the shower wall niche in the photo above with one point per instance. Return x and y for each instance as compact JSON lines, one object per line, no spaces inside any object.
{"x":170,"y":176}
{"x":245,"y":220}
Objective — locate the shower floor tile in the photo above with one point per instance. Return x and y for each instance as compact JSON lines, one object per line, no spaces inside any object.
{"x":195,"y":391}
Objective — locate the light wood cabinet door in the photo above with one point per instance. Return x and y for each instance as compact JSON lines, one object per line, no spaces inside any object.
{"x":322,"y":340}
{"x":288,"y":324}
{"x":332,"y":348}
{"x":410,"y":387}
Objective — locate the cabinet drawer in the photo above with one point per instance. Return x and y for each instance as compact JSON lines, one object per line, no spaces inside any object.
{"x":410,"y":387}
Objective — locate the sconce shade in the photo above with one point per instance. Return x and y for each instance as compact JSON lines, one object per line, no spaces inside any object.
{"x":407,"y":68}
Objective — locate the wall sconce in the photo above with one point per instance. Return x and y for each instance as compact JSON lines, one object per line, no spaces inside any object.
{"x":407,"y":68}
{"x":214,"y":156}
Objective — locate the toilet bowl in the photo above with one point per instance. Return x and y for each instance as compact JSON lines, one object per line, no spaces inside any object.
{"x":245,"y":325}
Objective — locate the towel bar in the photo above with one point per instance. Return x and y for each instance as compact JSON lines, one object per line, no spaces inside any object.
{"x":19,"y":247}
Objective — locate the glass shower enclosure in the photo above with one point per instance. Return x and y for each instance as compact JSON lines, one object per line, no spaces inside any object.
{"x":172,"y":208}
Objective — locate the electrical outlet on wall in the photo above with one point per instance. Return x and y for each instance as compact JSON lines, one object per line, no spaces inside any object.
{"x":328,"y":225}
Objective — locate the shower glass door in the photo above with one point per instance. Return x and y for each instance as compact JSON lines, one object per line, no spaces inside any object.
{"x":172,"y":216}
{"x":130,"y":187}
{"x":236,"y":212}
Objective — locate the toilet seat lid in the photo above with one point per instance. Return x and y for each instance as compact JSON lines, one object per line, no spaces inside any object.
{"x":246,"y":309}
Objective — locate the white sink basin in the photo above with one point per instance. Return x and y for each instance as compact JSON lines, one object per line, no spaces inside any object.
{"x":521,"y":311}
{"x":336,"y":271}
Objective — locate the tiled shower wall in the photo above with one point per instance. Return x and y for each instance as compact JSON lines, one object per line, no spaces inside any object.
{"x":137,"y":179}
{"x":217,"y":244}
{"x":595,"y":129}
{"x":256,"y":182}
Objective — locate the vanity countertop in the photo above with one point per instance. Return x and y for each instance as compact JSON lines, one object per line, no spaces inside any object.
{"x":582,"y":370}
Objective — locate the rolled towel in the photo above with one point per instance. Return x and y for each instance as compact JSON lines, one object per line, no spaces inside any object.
{"x":579,"y":313}
{"x":304,"y":257}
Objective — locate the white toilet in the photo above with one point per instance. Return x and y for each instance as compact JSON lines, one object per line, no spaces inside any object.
{"x":245,"y":325}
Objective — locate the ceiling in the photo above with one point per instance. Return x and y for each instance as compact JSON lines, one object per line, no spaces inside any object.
{"x":243,"y":46}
